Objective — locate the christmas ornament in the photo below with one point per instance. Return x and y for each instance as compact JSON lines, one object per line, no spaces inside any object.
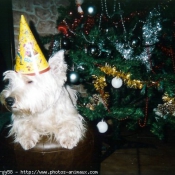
{"x":91,"y":10}
{"x":93,"y":50}
{"x":63,"y":28}
{"x":73,"y":77}
{"x":94,"y":101}
{"x":102,"y":126}
{"x":168,"y":108}
{"x":116,"y":82}
{"x":65,"y":44}
{"x":165,"y":109}
{"x":79,"y":3}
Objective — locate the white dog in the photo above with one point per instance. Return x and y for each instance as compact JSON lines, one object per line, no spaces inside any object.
{"x":43,"y":105}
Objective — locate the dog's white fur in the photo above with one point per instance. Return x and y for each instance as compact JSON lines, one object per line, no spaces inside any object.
{"x":44,"y":106}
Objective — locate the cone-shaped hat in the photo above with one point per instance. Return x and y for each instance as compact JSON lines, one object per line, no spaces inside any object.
{"x":29,"y":59}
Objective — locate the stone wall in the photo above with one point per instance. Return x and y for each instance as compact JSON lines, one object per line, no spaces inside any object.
{"x":41,"y":13}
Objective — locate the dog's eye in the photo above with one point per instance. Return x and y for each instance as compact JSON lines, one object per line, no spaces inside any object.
{"x":29,"y":82}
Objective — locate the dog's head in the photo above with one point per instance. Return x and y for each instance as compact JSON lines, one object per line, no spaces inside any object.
{"x":33,"y":94}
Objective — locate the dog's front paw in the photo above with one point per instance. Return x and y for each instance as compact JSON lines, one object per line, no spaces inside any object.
{"x":69,"y":142}
{"x":68,"y":139}
{"x":27,"y":144}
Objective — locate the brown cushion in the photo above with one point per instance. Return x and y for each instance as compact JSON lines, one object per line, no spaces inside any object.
{"x":49,"y":155}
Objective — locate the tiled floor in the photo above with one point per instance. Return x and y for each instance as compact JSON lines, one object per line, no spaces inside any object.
{"x":145,"y":155}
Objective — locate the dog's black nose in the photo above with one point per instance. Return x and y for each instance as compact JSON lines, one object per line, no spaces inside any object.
{"x":10,"y":101}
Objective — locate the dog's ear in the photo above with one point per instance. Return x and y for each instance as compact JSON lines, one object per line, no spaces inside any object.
{"x":57,"y":62}
{"x":58,"y":65}
{"x":10,"y":76}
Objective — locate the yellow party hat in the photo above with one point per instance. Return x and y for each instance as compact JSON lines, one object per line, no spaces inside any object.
{"x":29,"y":59}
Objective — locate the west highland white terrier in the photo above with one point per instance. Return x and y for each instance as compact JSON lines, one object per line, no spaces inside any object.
{"x":43,"y":105}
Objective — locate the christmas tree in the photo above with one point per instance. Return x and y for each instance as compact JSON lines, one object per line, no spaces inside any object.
{"x":123,"y":55}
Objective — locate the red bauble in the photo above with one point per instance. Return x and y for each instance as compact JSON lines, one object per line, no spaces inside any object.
{"x":63,"y":29}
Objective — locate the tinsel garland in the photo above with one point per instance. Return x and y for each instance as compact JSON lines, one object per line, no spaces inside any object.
{"x":168,"y":99}
{"x":100,"y":82}
{"x":136,"y":84}
{"x":151,"y":31}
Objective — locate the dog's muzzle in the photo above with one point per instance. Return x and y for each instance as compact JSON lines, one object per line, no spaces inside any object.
{"x":10,"y":101}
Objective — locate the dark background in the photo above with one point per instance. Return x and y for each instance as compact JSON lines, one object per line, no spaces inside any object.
{"x":7,"y":51}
